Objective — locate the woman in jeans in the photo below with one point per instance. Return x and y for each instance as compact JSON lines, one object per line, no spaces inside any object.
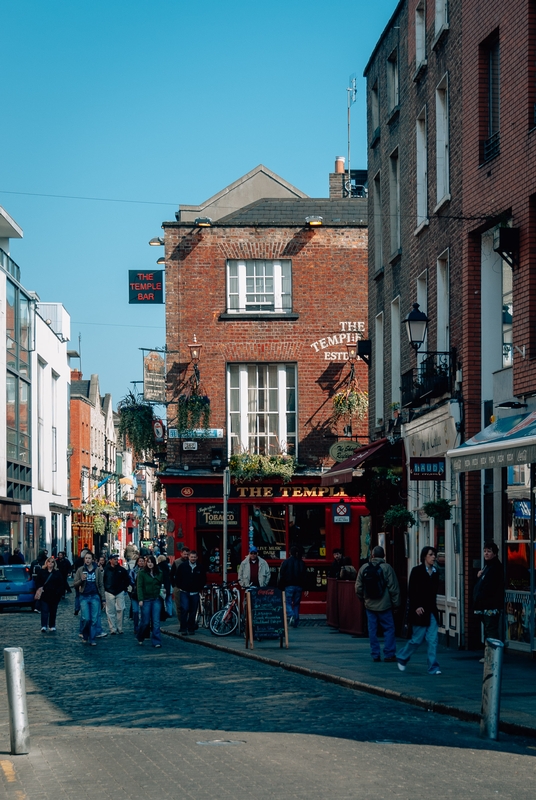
{"x":148,"y":585}
{"x":50,"y":580}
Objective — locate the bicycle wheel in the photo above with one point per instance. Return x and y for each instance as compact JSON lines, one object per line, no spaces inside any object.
{"x":224,"y":622}
{"x":208,"y":612}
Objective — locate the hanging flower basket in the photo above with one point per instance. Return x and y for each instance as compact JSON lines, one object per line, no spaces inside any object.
{"x":193,"y":412}
{"x":438,"y":509}
{"x":136,"y":422}
{"x":351,"y":403}
{"x":252,"y":466}
{"x":398,"y":517}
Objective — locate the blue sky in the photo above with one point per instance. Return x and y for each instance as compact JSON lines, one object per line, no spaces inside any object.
{"x":164,"y":102}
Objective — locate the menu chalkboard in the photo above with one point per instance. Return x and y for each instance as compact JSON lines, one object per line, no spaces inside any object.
{"x":267,"y":615}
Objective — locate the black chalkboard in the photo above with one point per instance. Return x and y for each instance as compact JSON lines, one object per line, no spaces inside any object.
{"x":267,"y":613}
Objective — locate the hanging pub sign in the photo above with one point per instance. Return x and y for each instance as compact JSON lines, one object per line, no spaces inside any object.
{"x":154,"y":377}
{"x":211,"y":516}
{"x":427,"y":469}
{"x":145,"y":287}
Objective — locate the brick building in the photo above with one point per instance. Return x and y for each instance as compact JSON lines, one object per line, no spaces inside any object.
{"x":451,"y":207}
{"x":273,"y":301}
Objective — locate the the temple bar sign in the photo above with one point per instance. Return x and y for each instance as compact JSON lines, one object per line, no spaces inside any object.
{"x":145,"y":287}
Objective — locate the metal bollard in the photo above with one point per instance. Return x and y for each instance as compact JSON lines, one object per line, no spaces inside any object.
{"x":491,"y":689}
{"x":19,"y":729}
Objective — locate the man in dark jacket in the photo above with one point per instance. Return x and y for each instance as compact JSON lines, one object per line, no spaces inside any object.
{"x":292,"y":579}
{"x":379,"y":606}
{"x":423,"y":613}
{"x":190,"y":579}
{"x":488,"y":594}
{"x":65,"y":568}
{"x":182,"y":559}
{"x":116,"y":582}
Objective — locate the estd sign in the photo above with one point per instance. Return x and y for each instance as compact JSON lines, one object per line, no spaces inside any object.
{"x":145,"y":287}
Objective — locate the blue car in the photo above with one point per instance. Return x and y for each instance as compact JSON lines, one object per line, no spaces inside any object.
{"x":17,"y":587}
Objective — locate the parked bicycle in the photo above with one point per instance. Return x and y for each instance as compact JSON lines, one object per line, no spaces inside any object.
{"x":227,"y":619}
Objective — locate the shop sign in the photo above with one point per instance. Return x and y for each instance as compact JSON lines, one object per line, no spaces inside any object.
{"x":427,"y":469}
{"x":432,"y":440}
{"x":189,"y":445}
{"x":340,"y":451}
{"x":255,"y":492}
{"x":154,"y":378}
{"x":197,"y":433}
{"x":350,"y":333}
{"x":145,"y":287}
{"x":341,"y":513}
{"x":211,"y":516}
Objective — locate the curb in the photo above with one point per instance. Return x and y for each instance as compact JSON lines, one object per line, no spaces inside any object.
{"x":360,"y":686}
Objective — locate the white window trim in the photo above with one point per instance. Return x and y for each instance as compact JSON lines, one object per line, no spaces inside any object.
{"x":278,"y":288}
{"x":442,"y":142}
{"x":243,"y":404}
{"x":421,"y":169}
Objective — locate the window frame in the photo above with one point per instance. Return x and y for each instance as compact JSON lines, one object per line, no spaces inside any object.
{"x":279,"y":306}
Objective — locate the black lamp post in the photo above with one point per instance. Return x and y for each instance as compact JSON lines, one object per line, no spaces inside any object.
{"x":195,"y":354}
{"x":416,"y":325}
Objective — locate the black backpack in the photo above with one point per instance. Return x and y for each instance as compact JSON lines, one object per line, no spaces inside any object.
{"x":374,"y":582}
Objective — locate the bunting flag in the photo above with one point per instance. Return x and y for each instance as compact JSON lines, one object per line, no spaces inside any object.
{"x":126,"y":481}
{"x":105,"y":480}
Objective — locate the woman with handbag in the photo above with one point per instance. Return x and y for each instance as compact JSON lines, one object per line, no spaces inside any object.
{"x":149,"y":585}
{"x":50,"y":588}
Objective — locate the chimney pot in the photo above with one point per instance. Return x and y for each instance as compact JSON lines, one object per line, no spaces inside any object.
{"x":339,"y":164}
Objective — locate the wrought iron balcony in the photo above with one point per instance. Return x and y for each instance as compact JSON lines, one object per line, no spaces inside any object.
{"x":432,"y":378}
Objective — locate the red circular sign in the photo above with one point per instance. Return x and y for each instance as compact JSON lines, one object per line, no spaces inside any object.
{"x":187,"y":491}
{"x":342,"y":511}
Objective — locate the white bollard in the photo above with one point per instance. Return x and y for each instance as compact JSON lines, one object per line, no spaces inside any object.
{"x":491,"y":689}
{"x":19,"y":730}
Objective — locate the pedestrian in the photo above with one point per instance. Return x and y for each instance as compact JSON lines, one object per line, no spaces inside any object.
{"x":488,"y":594}
{"x":377,"y":585}
{"x":163,"y":566}
{"x":65,"y":568}
{"x":39,"y":562}
{"x":131,"y":554}
{"x":292,"y":579}
{"x":89,"y":586}
{"x":254,"y":570}
{"x":50,"y":587}
{"x":422,"y":611}
{"x":183,"y":558}
{"x":116,"y":582}
{"x":16,"y":557}
{"x":149,"y":585}
{"x":191,"y":578}
{"x":335,"y":568}
{"x":133,"y":591}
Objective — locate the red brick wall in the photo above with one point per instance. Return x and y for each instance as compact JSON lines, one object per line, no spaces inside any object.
{"x":329,"y":285}
{"x":80,"y":444}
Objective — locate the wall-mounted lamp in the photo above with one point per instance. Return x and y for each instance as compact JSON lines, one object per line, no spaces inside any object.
{"x":511,"y":404}
{"x":314,"y":222}
{"x":156,"y":241}
{"x":203,"y":222}
{"x":161,"y":261}
{"x":195,"y":349}
{"x":352,"y":351}
{"x":416,"y":325}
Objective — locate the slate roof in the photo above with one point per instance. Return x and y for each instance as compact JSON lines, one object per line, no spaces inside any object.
{"x":80,"y":388}
{"x":292,"y":211}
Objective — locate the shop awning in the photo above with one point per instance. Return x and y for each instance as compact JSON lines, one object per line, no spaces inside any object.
{"x":344,"y":472}
{"x":509,"y":441}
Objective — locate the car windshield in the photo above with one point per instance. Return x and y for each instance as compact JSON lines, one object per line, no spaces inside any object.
{"x":14,"y":573}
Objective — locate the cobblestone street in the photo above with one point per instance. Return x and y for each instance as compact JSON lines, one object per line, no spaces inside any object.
{"x":139,"y":719}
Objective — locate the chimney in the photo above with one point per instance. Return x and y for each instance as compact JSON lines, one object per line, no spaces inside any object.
{"x":336,"y":179}
{"x":76,"y":375}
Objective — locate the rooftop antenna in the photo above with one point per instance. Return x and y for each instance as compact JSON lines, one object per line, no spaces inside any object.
{"x":80,"y":351}
{"x":351,"y":91}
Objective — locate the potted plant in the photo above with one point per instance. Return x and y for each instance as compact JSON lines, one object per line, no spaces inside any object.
{"x":193,"y":412}
{"x":255,"y":466}
{"x":351,"y":403}
{"x":438,"y":509}
{"x":395,"y":409}
{"x":398,"y":517}
{"x":136,"y":418}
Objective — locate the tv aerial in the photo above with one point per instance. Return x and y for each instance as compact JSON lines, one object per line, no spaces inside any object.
{"x":351,"y":92}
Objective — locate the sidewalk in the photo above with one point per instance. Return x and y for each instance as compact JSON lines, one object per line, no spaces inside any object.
{"x":323,"y":653}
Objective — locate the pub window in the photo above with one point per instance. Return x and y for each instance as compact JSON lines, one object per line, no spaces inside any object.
{"x":259,"y":286}
{"x":262,"y":408}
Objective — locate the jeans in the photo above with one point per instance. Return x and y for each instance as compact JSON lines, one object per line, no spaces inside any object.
{"x":150,"y":613}
{"x":168,"y":604}
{"x":292,"y":597}
{"x":189,"y":605}
{"x":420,"y":633}
{"x":48,"y":613}
{"x":135,"y":614}
{"x":385,"y":618}
{"x":90,"y":607}
{"x":115,"y":605}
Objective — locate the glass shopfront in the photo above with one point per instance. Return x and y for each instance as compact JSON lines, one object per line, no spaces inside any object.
{"x":518,"y":547}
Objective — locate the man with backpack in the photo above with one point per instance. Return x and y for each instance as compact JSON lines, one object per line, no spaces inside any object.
{"x":377,"y":585}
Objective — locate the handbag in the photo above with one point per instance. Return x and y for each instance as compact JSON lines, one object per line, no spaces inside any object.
{"x":163,"y":593}
{"x":38,"y":593}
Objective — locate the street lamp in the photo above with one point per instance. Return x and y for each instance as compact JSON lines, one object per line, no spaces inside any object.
{"x":156,"y":241}
{"x":195,"y":353}
{"x":416,"y":325}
